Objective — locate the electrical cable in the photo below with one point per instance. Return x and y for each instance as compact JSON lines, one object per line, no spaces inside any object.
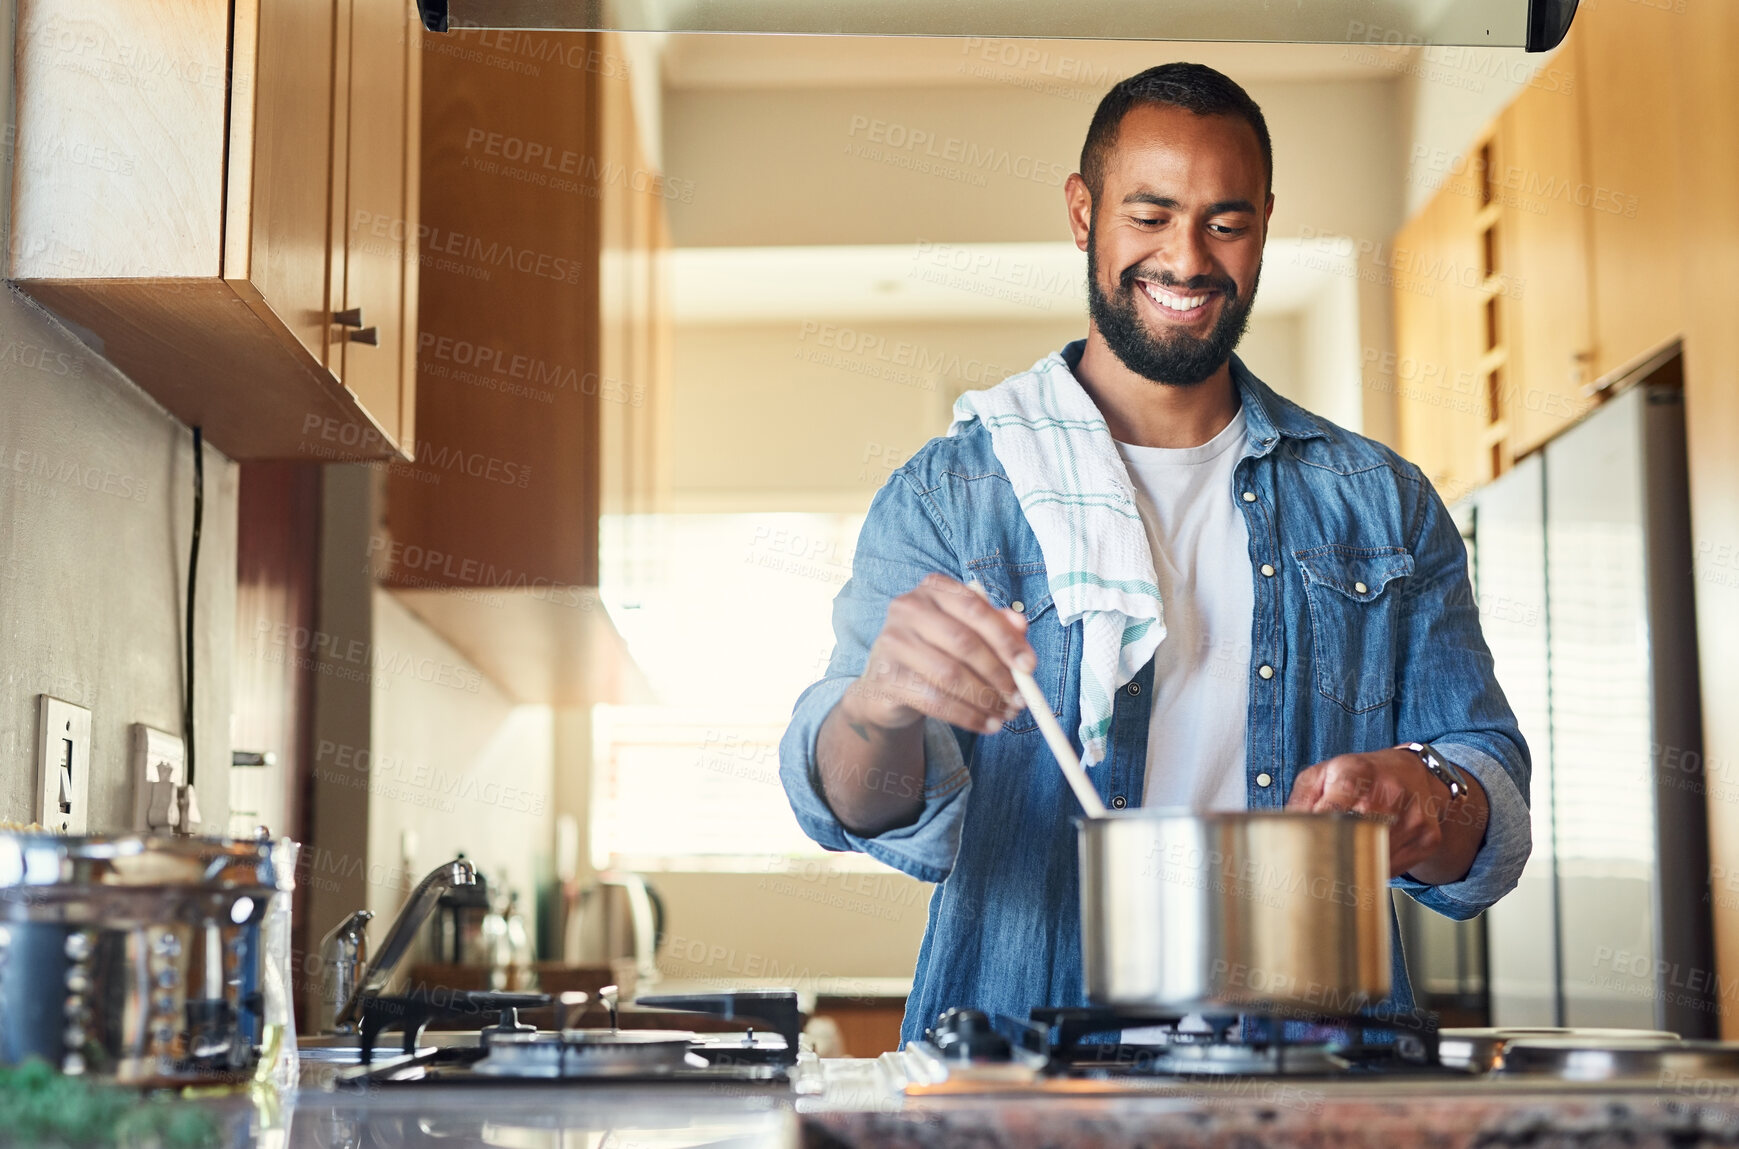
{"x":192,"y":584}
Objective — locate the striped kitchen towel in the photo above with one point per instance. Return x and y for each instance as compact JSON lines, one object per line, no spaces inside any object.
{"x":1077,"y":496}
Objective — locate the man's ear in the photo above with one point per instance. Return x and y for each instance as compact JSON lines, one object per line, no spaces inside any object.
{"x":1079,"y":201}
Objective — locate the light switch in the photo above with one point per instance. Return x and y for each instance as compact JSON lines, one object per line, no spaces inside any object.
{"x":63,"y":767}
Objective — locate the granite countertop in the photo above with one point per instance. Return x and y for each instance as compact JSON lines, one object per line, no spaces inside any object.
{"x":854,"y":1111}
{"x":1286,"y":1116}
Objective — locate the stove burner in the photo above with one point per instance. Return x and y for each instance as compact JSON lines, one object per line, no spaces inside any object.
{"x":1326,"y":1045}
{"x":763,"y":1052}
{"x":589,"y":1053}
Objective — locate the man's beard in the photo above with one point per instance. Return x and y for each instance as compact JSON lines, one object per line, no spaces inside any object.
{"x":1180,"y":359}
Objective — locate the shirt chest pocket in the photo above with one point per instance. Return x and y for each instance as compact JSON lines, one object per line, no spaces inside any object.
{"x":1028,"y":591}
{"x":1355,"y":599}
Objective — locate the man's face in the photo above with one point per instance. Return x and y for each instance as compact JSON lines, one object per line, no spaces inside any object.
{"x":1174,"y":241}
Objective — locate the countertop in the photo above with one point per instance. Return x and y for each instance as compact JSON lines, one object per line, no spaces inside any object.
{"x":853,"y":1112}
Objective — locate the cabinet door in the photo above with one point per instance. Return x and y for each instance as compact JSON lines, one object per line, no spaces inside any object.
{"x":1546,"y":244}
{"x":1632,"y":192}
{"x":1418,"y":380}
{"x":1473,"y":328}
{"x":287,"y":261}
{"x":380,"y":211}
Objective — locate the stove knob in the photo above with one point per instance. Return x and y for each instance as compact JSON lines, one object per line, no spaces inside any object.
{"x":967,"y":1035}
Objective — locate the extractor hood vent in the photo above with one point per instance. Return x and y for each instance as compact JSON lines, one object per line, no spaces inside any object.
{"x":1536,"y":25}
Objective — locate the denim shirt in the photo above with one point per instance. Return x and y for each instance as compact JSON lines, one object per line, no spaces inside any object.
{"x":1366,"y":634}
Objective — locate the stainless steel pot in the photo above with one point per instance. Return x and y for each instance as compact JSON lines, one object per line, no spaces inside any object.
{"x":158,"y":960}
{"x":1259,"y":911}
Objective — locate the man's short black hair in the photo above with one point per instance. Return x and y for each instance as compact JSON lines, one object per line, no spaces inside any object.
{"x":1194,"y":87}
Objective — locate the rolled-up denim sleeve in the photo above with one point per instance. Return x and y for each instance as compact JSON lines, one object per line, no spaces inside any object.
{"x":1448,"y":695}
{"x":903,"y":539}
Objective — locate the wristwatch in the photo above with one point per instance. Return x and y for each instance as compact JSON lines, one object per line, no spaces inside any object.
{"x":1441,"y":769}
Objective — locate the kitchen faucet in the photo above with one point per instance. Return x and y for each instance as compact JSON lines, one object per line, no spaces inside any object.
{"x":344,"y":951}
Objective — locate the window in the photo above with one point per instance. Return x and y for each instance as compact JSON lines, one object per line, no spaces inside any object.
{"x":728,"y":618}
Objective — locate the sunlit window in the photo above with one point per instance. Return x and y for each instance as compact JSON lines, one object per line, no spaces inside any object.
{"x":728,"y":617}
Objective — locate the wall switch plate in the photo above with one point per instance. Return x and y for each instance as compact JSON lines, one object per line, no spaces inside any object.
{"x":63,"y":766}
{"x":159,"y":769}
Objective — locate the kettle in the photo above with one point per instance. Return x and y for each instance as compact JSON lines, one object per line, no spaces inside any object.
{"x":617,"y":916}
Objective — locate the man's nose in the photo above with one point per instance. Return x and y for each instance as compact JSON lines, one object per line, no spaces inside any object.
{"x":1186,"y":256}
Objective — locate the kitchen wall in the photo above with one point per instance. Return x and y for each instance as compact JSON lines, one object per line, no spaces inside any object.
{"x":812,"y":415}
{"x":819,"y":165}
{"x":417,"y":754}
{"x":456,"y":765}
{"x":96,"y":505}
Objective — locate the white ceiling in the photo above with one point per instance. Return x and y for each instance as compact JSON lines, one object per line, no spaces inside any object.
{"x":938,"y":281}
{"x":698,"y":61}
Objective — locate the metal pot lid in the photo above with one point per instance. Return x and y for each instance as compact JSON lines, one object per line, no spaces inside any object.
{"x":1574,"y":1059}
{"x":40,"y":859}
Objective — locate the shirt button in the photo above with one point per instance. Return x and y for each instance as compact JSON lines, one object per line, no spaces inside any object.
{"x":1135,"y":688}
{"x":1263,"y":779}
{"x":1360,"y":587}
{"x":1267,"y":571}
{"x":1119,"y":802}
{"x":1249,"y":496}
{"x":1265,"y":670}
{"x":1017,"y":606}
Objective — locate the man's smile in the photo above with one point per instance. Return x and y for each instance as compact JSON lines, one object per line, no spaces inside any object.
{"x":1184,"y":307}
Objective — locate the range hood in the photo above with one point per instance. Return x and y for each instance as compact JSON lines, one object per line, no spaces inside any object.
{"x":1536,"y":25}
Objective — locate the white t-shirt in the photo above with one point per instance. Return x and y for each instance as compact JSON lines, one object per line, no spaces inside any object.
{"x":1201,"y":552}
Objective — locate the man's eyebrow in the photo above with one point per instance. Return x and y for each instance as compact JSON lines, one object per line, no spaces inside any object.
{"x":1157,"y":200}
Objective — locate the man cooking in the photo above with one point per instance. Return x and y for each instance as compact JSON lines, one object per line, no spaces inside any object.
{"x":1229,"y":602}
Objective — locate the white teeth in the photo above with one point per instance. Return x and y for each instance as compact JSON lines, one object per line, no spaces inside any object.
{"x":1171,"y":303}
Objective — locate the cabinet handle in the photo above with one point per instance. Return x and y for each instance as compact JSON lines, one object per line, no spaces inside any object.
{"x":368,"y":335}
{"x":348,"y":318}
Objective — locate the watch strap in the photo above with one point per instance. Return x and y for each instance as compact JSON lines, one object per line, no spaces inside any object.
{"x":1440,"y":768}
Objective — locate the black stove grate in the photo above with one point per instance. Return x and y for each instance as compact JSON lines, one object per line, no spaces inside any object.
{"x":1089,"y":1040}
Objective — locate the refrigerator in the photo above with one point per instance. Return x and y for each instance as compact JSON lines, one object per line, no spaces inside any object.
{"x":1581,"y":561}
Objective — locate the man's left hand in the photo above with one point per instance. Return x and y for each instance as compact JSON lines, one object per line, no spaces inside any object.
{"x":1431,"y":838}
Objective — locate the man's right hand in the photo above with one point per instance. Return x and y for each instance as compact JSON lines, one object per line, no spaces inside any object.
{"x":943,"y":652}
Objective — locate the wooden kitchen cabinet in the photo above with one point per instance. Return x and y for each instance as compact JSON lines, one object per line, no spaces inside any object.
{"x":1439,"y":308}
{"x":1539,"y":180}
{"x":540,"y":369}
{"x":191,"y":211}
{"x":1631,"y":138}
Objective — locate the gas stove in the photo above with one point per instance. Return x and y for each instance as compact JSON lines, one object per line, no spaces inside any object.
{"x":760,"y":1054}
{"x":1120,"y":1050}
